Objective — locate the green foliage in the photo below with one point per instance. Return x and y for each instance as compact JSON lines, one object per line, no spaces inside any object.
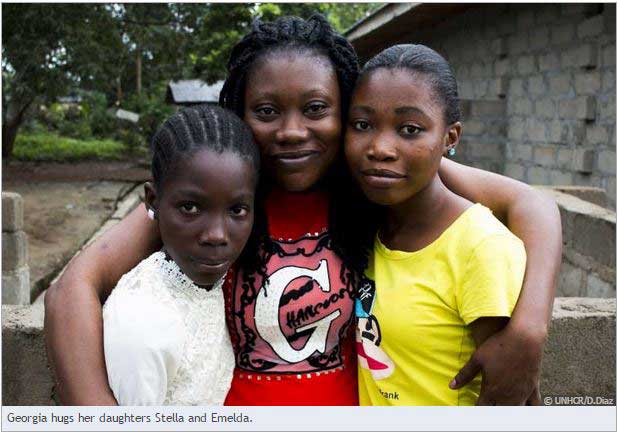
{"x":48,"y":47}
{"x":218,"y":28}
{"x":51,"y":147}
{"x":152,"y":109}
{"x":95,"y":108}
{"x":132,"y":138}
{"x":79,"y":129}
{"x":343,"y":15}
{"x":68,"y":120}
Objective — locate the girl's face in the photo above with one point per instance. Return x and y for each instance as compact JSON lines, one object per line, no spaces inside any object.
{"x":396,"y":135}
{"x":292,"y":104}
{"x":204,"y":222}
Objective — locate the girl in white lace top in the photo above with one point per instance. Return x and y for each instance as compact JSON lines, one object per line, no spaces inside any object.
{"x":165,"y":335}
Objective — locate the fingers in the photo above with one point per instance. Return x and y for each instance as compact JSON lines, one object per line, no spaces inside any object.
{"x":466,"y":373}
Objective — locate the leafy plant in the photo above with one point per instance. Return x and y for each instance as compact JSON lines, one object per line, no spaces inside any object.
{"x":51,"y":147}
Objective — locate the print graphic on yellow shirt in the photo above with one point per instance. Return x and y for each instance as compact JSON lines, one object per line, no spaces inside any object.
{"x":413,"y":335}
{"x":368,"y":338}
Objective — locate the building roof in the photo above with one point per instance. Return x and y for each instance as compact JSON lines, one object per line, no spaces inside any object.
{"x":391,"y":23}
{"x":193,"y":92}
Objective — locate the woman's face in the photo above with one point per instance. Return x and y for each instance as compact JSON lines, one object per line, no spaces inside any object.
{"x":205,"y":223}
{"x":396,"y":135}
{"x":292,"y":104}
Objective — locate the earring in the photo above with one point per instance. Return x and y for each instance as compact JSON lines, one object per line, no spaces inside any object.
{"x":451,"y":152}
{"x":151,"y":214}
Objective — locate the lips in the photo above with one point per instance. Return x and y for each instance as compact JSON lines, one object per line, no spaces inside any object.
{"x":294,"y":154}
{"x":294,"y":159}
{"x":381,"y":178}
{"x":211,"y":264}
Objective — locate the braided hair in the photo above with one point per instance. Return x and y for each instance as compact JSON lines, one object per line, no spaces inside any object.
{"x":314,"y":37}
{"x":200,"y":127}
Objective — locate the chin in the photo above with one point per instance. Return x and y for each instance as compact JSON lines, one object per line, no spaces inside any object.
{"x":206,"y":280}
{"x":297,"y":183}
{"x":384,"y":198}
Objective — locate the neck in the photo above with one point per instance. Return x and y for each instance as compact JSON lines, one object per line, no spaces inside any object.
{"x":421,"y":209}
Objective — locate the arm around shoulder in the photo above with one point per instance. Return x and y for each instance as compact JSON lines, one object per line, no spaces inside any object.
{"x":73,"y":324}
{"x":532,"y":216}
{"x":511,"y":358}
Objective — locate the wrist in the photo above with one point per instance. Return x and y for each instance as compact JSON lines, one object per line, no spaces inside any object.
{"x":532,"y":332}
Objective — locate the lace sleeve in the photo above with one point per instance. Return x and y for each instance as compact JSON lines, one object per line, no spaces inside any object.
{"x":143,"y":341}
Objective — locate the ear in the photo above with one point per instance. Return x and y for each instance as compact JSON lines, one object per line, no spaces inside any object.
{"x":452,"y":137}
{"x":151,"y":200}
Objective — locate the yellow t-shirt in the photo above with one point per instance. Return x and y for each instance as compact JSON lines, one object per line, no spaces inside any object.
{"x":412,"y":333}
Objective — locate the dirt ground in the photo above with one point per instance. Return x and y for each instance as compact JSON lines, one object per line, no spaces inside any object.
{"x":64,"y":205}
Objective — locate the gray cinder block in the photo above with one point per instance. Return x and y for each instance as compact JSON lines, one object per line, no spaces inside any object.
{"x":580,"y":354}
{"x":16,"y":286}
{"x":12,"y":212}
{"x":14,"y":250}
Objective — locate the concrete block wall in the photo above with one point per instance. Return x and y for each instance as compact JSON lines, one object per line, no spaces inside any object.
{"x":589,"y":245}
{"x":15,"y":272}
{"x":580,"y":354}
{"x":26,"y":377}
{"x":555,"y":67}
{"x":484,"y":143}
{"x":579,"y":358}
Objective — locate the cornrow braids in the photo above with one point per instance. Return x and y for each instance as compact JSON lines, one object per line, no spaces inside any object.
{"x":199,"y":127}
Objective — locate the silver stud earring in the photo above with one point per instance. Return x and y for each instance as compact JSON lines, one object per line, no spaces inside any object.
{"x":451,"y":152}
{"x":151,"y":214}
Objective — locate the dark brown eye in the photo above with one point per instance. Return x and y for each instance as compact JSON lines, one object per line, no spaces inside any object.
{"x":239,"y":210}
{"x":409,"y":130}
{"x":361,"y":125}
{"x":266,"y":112}
{"x":189,"y":208}
{"x":316,"y":108}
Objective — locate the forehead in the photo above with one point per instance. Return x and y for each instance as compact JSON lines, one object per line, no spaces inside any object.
{"x":225,"y":173}
{"x":291,"y":72}
{"x":390,"y":87}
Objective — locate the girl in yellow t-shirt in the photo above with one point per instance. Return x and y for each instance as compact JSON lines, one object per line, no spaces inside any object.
{"x":444,"y":274}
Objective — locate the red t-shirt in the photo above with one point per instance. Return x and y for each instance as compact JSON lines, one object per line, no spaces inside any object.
{"x":292,"y":337}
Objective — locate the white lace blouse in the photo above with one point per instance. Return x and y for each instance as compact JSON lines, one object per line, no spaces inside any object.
{"x":165,"y":339}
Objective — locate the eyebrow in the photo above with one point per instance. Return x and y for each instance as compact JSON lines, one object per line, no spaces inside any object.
{"x":409,"y":110}
{"x":321,"y":92}
{"x":199,"y":194}
{"x":187,"y":193}
{"x":365,"y":108}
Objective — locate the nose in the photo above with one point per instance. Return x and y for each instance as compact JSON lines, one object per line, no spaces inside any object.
{"x":214,"y":232}
{"x":382,"y":148}
{"x":292,"y":130}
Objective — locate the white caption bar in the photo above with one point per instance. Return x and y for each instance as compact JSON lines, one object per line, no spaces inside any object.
{"x":61,"y":418}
